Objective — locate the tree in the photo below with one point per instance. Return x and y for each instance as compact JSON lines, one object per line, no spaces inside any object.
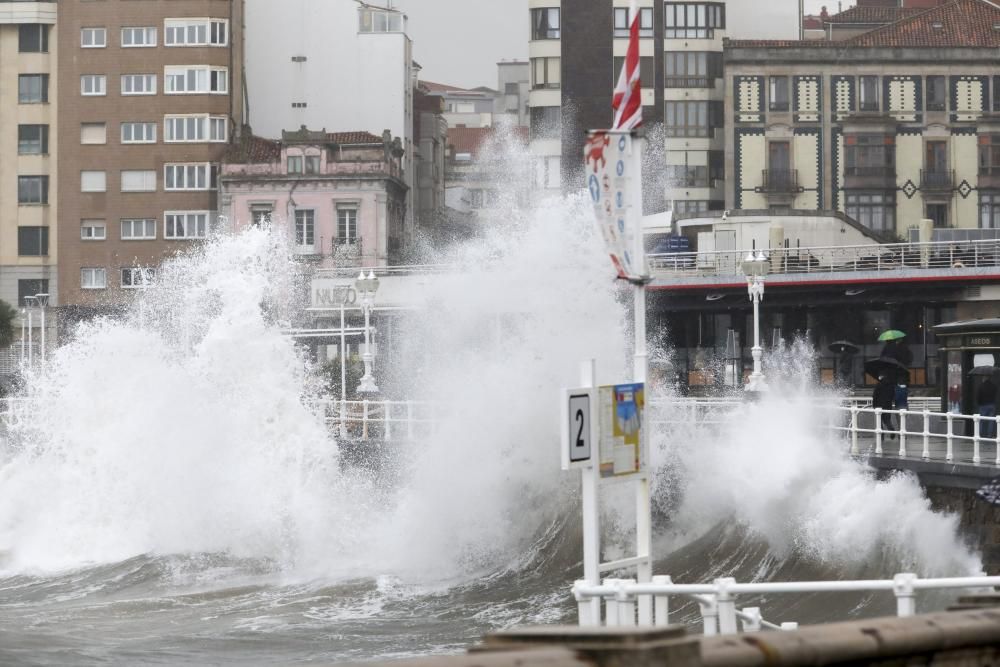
{"x":7,"y":316}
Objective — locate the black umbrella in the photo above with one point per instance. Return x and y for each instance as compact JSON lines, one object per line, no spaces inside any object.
{"x":989,"y":371}
{"x":886,"y":366}
{"x":843,"y":347}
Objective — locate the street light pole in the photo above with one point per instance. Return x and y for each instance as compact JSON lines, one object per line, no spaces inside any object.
{"x":755,"y":267}
{"x":43,"y":301}
{"x":366,"y":288}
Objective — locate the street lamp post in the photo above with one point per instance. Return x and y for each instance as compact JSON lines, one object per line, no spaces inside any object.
{"x":755,"y":268}
{"x":29,"y":302}
{"x":42,"y":300}
{"x":366,"y":289}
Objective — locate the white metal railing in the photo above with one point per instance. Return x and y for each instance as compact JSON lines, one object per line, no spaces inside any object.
{"x":384,"y":420}
{"x":717,"y":600}
{"x":835,"y":259}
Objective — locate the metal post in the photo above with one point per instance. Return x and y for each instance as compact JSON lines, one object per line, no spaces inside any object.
{"x":591,"y":511}
{"x":42,"y":351}
{"x":878,"y":431}
{"x":903,"y":589}
{"x":31,"y":343}
{"x":726,"y":606}
{"x":661,"y":603}
{"x":611,"y":618}
{"x":975,"y":440}
{"x":343,"y":418}
{"x":950,"y":452}
{"x":343,"y":356}
{"x":709,"y":615}
{"x":926,"y":454}
{"x":626,"y":605}
{"x":855,"y":450}
{"x":24,"y":322}
{"x":902,"y":433}
{"x":364,"y":419}
{"x":585,"y":606}
{"x":751,"y":624}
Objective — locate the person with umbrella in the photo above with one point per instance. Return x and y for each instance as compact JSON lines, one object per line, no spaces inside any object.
{"x":894,"y":348}
{"x":986,"y":401}
{"x":882,"y":397}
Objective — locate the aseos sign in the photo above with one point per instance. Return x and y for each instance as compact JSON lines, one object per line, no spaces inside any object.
{"x":613,"y":166}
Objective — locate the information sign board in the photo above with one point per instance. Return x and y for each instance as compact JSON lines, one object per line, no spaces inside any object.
{"x":622,"y":440}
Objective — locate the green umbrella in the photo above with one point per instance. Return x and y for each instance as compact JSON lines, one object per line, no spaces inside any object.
{"x":891,"y":334}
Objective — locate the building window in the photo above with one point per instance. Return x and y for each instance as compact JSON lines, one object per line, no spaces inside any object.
{"x":778,"y":98}
{"x":989,"y":210}
{"x":260,"y":216}
{"x":690,"y":206}
{"x":545,"y":23}
{"x":139,"y":180}
{"x":93,"y":278}
{"x":93,"y":133}
{"x":201,"y":79}
{"x":33,"y":88}
{"x":196,"y":176}
{"x":33,"y":38}
{"x":688,"y":20}
{"x":196,"y":32}
{"x":870,"y":155}
{"x":32,"y":189}
{"x":138,"y":229}
{"x":294,"y":164}
{"x":622,"y":23}
{"x":305,"y":228}
{"x":546,"y":73}
{"x":691,"y":69}
{"x":692,"y":119}
{"x":375,"y":20}
{"x":312,"y":164}
{"x":868,"y":93}
{"x":93,"y":230}
{"x":138,"y":84}
{"x":184,"y":225}
{"x":684,"y":176}
{"x":134,"y":277}
{"x":989,"y":154}
{"x":200,"y":128}
{"x":93,"y":38}
{"x":138,"y":37}
{"x":32,"y":241}
{"x":876,"y":210}
{"x":546,"y":122}
{"x":647,"y":69}
{"x":938,"y":213}
{"x":93,"y":181}
{"x":93,"y":84}
{"x":32,"y":139}
{"x":347,"y":224}
{"x":937,"y":93}
{"x":30,"y":287}
{"x":138,"y":133}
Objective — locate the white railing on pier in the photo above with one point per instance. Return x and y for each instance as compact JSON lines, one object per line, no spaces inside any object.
{"x":383,"y":420}
{"x":954,"y":255}
{"x":717,"y":600}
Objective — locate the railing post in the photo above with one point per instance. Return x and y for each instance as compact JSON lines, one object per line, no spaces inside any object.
{"x":855,"y":451}
{"x":996,"y":437}
{"x":902,"y":588}
{"x":709,"y":615}
{"x":387,"y":419}
{"x":878,"y":431}
{"x":751,"y":624}
{"x":949,"y":455}
{"x":726,"y":605}
{"x":611,"y":606}
{"x":409,"y":420}
{"x":926,"y":454}
{"x":661,"y":603}
{"x":902,"y":433}
{"x":585,"y":607}
{"x":975,"y":440}
{"x":364,"y":419}
{"x":626,"y":604}
{"x":343,"y":419}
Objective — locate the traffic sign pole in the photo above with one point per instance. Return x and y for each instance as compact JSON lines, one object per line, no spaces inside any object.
{"x":591,"y":514}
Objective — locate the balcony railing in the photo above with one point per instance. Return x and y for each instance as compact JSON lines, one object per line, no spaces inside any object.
{"x":882,"y":171}
{"x":784,"y":181}
{"x":688,"y":82}
{"x":889,"y":257}
{"x":937,"y":179}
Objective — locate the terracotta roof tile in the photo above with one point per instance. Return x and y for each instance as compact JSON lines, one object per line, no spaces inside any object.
{"x":250,"y":149}
{"x":961,"y":23}
{"x":471,"y":139}
{"x":440,"y":87}
{"x":353,"y":138}
{"x":873,"y":15}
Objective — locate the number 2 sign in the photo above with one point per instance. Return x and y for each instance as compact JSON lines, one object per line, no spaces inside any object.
{"x":578,"y":430}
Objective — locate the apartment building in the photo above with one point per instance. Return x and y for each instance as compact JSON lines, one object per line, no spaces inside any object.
{"x":29,"y":48}
{"x":893,"y":126}
{"x":576,"y":51}
{"x":152,"y":94}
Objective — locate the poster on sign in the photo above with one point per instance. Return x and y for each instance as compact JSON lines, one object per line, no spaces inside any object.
{"x":614,"y":172}
{"x":622,"y":443}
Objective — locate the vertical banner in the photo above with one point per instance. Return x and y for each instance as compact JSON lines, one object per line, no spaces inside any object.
{"x":613,"y":161}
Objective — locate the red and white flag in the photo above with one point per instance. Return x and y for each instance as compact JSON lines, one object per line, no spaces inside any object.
{"x":627,"y":101}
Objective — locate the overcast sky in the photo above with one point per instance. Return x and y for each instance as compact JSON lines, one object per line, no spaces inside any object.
{"x":459,"y":42}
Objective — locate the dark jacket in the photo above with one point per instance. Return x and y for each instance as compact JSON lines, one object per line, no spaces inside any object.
{"x":987,"y":393}
{"x":883,"y":395}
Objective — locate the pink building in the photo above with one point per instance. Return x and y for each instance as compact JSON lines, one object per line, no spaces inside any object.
{"x":340,"y":196}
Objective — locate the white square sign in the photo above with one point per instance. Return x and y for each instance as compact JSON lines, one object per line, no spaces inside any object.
{"x":579,"y":431}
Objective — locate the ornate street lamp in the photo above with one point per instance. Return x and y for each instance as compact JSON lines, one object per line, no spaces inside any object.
{"x":366,"y":290}
{"x":755,"y":267}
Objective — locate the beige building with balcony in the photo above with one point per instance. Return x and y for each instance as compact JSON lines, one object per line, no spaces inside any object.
{"x":28,"y":177}
{"x":890,"y":127}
